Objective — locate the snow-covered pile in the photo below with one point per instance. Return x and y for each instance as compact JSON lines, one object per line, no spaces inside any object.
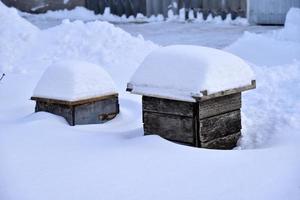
{"x":25,"y":48}
{"x":275,"y":59}
{"x":74,"y":80}
{"x":15,"y":37}
{"x":183,"y":71}
{"x":96,"y":42}
{"x":291,"y":29}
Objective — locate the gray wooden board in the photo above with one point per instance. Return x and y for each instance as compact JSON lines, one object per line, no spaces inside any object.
{"x":167,"y":106}
{"x":220,"y":126}
{"x":227,"y":142}
{"x":89,"y":113}
{"x":172,"y":127}
{"x":57,"y":109}
{"x":96,"y":112}
{"x":219,"y":105}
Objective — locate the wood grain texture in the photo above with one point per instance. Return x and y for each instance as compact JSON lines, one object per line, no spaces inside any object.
{"x":227,"y":142}
{"x":57,"y":109}
{"x":219,"y":105}
{"x":220,"y":126}
{"x":207,"y":96}
{"x":96,"y":112}
{"x":78,"y":102}
{"x":171,"y":127}
{"x":167,"y":106}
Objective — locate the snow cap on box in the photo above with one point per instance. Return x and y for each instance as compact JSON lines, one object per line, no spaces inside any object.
{"x":181,"y":72}
{"x":73,"y":81}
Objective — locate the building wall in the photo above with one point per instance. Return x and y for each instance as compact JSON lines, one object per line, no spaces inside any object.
{"x":40,"y":6}
{"x":270,"y":11}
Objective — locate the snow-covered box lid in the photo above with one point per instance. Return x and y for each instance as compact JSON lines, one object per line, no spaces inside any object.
{"x":73,"y":81}
{"x":186,"y":72}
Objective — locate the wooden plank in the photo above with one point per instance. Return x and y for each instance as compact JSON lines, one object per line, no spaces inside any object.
{"x":207,"y":96}
{"x":72,"y":103}
{"x":227,"y":142}
{"x":167,"y":106}
{"x":96,"y":112}
{"x":220,"y":126}
{"x":219,"y":105}
{"x":57,"y":109}
{"x":171,"y":127}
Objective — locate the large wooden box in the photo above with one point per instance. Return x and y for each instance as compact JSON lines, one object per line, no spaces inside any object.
{"x":89,"y":111}
{"x":211,"y":123}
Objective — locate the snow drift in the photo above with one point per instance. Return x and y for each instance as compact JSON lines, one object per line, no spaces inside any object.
{"x":26,"y":48}
{"x":16,"y":35}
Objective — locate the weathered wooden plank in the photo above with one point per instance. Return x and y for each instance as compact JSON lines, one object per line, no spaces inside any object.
{"x":171,"y":127}
{"x":72,"y":103}
{"x":220,"y":126}
{"x":227,"y":142}
{"x":167,"y":106}
{"x":207,"y":96}
{"x":219,"y":105}
{"x":57,"y":109}
{"x":96,"y":112}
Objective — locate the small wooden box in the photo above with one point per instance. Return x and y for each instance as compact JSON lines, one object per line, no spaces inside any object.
{"x":89,"y":111}
{"x":212,"y":121}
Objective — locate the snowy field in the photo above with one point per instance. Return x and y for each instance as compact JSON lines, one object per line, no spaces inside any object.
{"x":42,"y":157}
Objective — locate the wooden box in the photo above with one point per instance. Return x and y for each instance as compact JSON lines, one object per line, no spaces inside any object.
{"x":212,"y":121}
{"x":90,"y":111}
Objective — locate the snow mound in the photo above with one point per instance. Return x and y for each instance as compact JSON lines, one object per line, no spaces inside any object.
{"x":74,"y":80}
{"x":182,"y":71}
{"x":291,"y":30}
{"x":15,"y":34}
{"x":96,"y":42}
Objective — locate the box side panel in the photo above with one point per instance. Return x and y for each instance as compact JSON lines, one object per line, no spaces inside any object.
{"x":219,"y":105}
{"x":172,"y":127}
{"x":57,"y":109}
{"x":167,"y":106}
{"x":227,"y":142}
{"x":219,"y":126}
{"x":96,"y":112}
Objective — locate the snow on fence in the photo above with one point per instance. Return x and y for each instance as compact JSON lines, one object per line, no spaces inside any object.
{"x":156,"y":7}
{"x":41,"y":6}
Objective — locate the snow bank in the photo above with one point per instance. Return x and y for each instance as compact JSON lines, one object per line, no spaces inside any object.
{"x":274,"y":57}
{"x":291,"y":29}
{"x":16,"y":34}
{"x":182,"y":71}
{"x":26,"y":48}
{"x":74,"y":80}
{"x":96,"y":42}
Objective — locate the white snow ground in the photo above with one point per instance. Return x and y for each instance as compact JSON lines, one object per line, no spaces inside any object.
{"x":43,"y":158}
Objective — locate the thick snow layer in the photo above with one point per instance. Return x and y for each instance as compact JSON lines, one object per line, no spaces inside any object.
{"x":15,"y":36}
{"x":74,"y":80}
{"x":291,"y":31}
{"x":183,"y":71}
